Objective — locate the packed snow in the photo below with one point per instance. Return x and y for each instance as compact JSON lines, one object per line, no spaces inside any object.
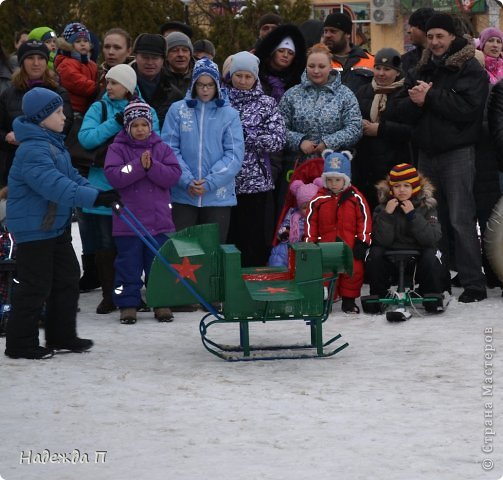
{"x":419,"y":400}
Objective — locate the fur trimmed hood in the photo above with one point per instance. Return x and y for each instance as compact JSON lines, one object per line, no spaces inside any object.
{"x":424,"y":197}
{"x":461,"y":50}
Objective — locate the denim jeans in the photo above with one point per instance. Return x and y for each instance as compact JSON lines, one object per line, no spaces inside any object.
{"x":452,"y":174}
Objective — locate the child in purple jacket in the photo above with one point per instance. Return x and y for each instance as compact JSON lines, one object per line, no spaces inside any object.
{"x":143,"y":169}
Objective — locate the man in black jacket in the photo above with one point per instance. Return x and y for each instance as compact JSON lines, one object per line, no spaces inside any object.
{"x":446,"y":96}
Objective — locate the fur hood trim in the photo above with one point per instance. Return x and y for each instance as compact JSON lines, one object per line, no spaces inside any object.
{"x":64,"y":45}
{"x":461,"y":50}
{"x":424,"y":196}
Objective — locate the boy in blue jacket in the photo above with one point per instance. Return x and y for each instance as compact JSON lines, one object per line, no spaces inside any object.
{"x":43,"y":189}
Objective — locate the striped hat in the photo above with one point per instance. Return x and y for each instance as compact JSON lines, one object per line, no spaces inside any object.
{"x":404,"y":172}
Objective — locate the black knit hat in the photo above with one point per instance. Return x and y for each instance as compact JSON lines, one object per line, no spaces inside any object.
{"x":388,"y":57}
{"x":340,"y":21}
{"x":204,"y":46}
{"x":443,"y":21}
{"x":150,"y":43}
{"x":32,"y":47}
{"x":420,"y":16}
{"x":176,"y":27}
{"x":269,"y":18}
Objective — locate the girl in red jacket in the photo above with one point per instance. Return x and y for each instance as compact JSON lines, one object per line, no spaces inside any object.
{"x":339,"y":212}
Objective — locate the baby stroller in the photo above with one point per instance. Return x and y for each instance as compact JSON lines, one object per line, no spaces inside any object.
{"x":7,"y":269}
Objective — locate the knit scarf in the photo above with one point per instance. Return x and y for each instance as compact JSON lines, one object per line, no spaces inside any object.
{"x":381,"y":98}
{"x":494,"y":68}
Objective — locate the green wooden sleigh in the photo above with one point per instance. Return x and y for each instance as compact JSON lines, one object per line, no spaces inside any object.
{"x":203,"y":271}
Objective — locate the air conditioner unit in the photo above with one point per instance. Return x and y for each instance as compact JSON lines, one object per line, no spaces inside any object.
{"x":382,"y":12}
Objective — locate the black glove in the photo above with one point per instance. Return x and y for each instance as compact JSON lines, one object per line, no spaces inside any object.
{"x":107,"y":199}
{"x":360,"y":249}
{"x":119,"y":118}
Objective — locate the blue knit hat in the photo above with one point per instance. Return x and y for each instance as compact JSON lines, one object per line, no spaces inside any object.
{"x":134,"y":110}
{"x":337,"y":164}
{"x":74,"y":31}
{"x":244,"y":61}
{"x":38,"y":103}
{"x":205,"y":67}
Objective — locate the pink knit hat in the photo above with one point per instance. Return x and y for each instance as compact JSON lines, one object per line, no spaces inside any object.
{"x":488,"y":33}
{"x":304,"y":192}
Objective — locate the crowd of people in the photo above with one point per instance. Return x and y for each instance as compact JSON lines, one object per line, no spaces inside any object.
{"x":392,"y":144}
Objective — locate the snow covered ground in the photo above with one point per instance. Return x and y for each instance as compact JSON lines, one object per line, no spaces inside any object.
{"x":402,"y":402}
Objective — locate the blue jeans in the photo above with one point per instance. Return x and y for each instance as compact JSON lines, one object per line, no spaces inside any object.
{"x":452,"y":174}
{"x":95,"y":232}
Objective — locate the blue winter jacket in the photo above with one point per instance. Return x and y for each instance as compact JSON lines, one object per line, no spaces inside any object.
{"x":42,"y":173}
{"x":208,"y":142}
{"x":95,"y":132}
{"x":328,"y":113}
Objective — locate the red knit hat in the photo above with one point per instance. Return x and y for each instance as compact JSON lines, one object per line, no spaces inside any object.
{"x":405,"y":172}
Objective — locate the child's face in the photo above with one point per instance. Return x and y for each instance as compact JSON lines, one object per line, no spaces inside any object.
{"x":82,"y":46}
{"x":205,"y":88}
{"x":402,"y":191}
{"x":140,"y":129}
{"x":335,"y":184}
{"x":303,"y":209}
{"x":115,"y":90}
{"x":51,"y":44}
{"x":55,"y":121}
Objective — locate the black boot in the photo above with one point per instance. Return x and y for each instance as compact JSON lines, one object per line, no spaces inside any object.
{"x":105,"y":266}
{"x":90,"y":280}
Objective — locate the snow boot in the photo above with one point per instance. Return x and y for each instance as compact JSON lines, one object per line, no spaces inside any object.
{"x":128,"y":316}
{"x":163,"y":314}
{"x":90,"y":280}
{"x":77,"y":345}
{"x":106,"y":272}
{"x":33,"y":353}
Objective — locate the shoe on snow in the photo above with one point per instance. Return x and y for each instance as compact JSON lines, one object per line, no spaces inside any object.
{"x":163,"y":314}
{"x":33,"y":353}
{"x":470,"y":295}
{"x":76,"y":345}
{"x":128,"y":316}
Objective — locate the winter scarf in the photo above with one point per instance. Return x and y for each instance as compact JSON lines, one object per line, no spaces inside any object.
{"x":381,"y":97}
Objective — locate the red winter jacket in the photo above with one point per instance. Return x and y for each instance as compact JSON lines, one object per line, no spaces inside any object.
{"x":344,"y":216}
{"x":80,"y":79}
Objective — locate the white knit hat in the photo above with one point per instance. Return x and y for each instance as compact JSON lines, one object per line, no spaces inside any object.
{"x":287,"y":42}
{"x":125,"y":75}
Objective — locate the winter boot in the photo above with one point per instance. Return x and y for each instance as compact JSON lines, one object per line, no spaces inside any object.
{"x":163,"y":314}
{"x":77,"y":345}
{"x":106,"y":272}
{"x":128,"y":316}
{"x":90,"y":280}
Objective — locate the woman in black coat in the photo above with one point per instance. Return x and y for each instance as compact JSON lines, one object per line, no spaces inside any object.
{"x":33,"y":72}
{"x":386,"y":140}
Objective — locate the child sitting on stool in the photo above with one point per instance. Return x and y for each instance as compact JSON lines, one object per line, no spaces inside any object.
{"x":340,"y":212}
{"x":406,"y":219}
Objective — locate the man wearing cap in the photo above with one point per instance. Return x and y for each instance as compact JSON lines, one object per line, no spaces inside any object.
{"x":179,"y":60}
{"x":353,"y":63}
{"x":266,"y":24}
{"x":446,"y":94}
{"x":153,"y":80}
{"x":417,"y":34}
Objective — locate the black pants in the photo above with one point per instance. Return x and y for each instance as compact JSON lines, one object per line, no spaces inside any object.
{"x":47,"y":272}
{"x":431,"y":274}
{"x":188,"y":215}
{"x":248,"y":228}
